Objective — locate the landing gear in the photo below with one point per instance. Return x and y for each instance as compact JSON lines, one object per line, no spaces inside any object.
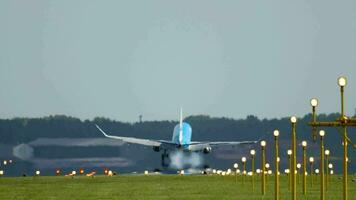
{"x":165,"y":159}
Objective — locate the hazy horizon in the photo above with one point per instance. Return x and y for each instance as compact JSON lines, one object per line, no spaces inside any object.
{"x":122,"y":59}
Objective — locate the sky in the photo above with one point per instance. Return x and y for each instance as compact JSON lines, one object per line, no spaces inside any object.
{"x":122,"y":59}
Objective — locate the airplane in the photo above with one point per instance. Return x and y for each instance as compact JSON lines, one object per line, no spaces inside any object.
{"x":181,"y":141}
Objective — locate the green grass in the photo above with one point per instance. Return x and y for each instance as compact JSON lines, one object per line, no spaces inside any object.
{"x":157,"y":187}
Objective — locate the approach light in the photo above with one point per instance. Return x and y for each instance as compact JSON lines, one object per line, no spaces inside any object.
{"x":38,"y":172}
{"x":299,"y":165}
{"x":146,"y":172}
{"x":311,"y":159}
{"x":243,"y":159}
{"x":276,"y":133}
{"x":330,"y":165}
{"x":236,"y":165}
{"x":74,"y":172}
{"x":258,"y":171}
{"x":293,"y":119}
{"x":263,"y":143}
{"x":304,"y":143}
{"x":327,"y":152}
{"x":252,"y":152}
{"x":331,"y":172}
{"x":289,"y":152}
{"x":278,"y":159}
{"x":317,"y":171}
{"x":5,"y":162}
{"x":1,"y":172}
{"x":342,"y":81}
{"x":322,"y":133}
{"x":267,"y":165}
{"x":314,"y":102}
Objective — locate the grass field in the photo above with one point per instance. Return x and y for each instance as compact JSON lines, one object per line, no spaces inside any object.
{"x":157,"y":187}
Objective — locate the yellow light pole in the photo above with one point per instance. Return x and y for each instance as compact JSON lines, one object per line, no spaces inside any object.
{"x":330,"y":167}
{"x":341,"y":123}
{"x":253,"y":153}
{"x":263,"y":182}
{"x":322,"y":162}
{"x":276,"y":164}
{"x":267,"y":169}
{"x":304,"y":145}
{"x":243,"y":160}
{"x":289,"y":152}
{"x":311,"y":161}
{"x":293,"y":121}
{"x":236,"y":166}
{"x":327,"y":153}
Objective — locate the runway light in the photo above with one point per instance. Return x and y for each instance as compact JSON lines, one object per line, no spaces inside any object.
{"x":293,"y":119}
{"x":278,"y":159}
{"x":267,"y":165}
{"x":263,"y":143}
{"x":10,"y":161}
{"x":269,"y":172}
{"x":223,"y":173}
{"x":243,"y":159}
{"x":238,"y":171}
{"x":110,"y":173}
{"x":311,"y":159}
{"x":249,"y":173}
{"x":331,"y":172}
{"x":214,"y":171}
{"x":74,"y":173}
{"x":299,"y":165}
{"x":304,"y":143}
{"x":38,"y":172}
{"x":236,"y":165}
{"x":258,"y":171}
{"x":317,"y":171}
{"x":327,"y":152}
{"x":276,"y":133}
{"x":342,"y":81}
{"x":286,"y":171}
{"x":289,"y":152}
{"x":181,"y":172}
{"x":146,"y":172}
{"x":58,"y":172}
{"x":252,"y":152}
{"x":1,"y":172}
{"x":330,"y":165}
{"x":314,"y":102}
{"x":5,"y":162}
{"x":322,"y":133}
{"x":229,"y":171}
{"x":81,"y":171}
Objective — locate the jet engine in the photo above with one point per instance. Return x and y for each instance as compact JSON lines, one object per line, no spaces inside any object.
{"x":207,"y":150}
{"x":156,"y":149}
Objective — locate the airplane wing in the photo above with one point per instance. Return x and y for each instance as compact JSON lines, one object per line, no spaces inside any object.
{"x":146,"y":142}
{"x":232,"y":143}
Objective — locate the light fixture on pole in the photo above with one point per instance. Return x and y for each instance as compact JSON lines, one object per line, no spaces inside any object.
{"x":327,"y":153}
{"x":289,"y":152}
{"x":263,"y":182}
{"x":276,"y":164}
{"x":311,"y":161}
{"x":304,"y":145}
{"x":322,"y":151}
{"x":243,"y":160}
{"x":253,"y":153}
{"x":293,"y":121}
